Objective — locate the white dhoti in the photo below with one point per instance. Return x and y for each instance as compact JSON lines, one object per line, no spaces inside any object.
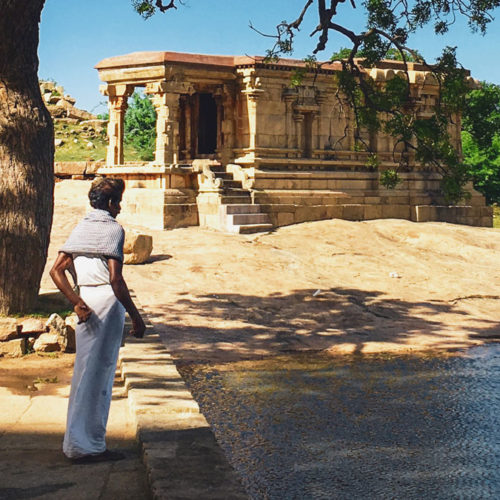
{"x":98,"y":341}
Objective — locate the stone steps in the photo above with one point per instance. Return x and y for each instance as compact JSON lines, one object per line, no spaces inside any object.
{"x":244,"y":208}
{"x":255,"y":228}
{"x":237,"y":213}
{"x":234,"y":200}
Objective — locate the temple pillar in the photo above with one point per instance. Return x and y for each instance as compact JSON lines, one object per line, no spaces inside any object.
{"x":117,"y":105}
{"x":289,"y":97}
{"x":252,"y":91}
{"x":299,"y":136}
{"x":227,"y":124}
{"x":166,"y":100}
{"x":167,"y":128}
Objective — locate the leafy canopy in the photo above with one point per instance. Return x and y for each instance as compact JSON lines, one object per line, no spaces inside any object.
{"x":481,"y":139}
{"x":140,"y":126}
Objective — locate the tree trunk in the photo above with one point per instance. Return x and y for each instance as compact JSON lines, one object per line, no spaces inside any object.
{"x":26,"y":158}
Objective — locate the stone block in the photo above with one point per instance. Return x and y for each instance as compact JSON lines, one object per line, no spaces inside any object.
{"x":353,"y":212}
{"x":396,"y":212}
{"x":372,"y":200}
{"x":372,"y":212}
{"x":13,"y":348}
{"x":91,"y":167}
{"x":137,"y":247}
{"x":486,"y":222}
{"x":319,"y":184}
{"x":8,"y":329}
{"x":285,"y":219}
{"x":180,"y":215}
{"x":68,"y":339}
{"x":486,"y":211}
{"x":34,"y":326}
{"x":47,"y":342}
{"x":177,"y":181}
{"x":56,"y":323}
{"x":334,"y":211}
{"x":69,"y":168}
{"x":423,"y":213}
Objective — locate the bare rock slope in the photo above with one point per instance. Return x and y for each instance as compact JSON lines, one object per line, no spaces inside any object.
{"x":338,"y":286}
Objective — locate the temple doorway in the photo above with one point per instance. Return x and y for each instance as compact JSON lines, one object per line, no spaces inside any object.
{"x":207,"y":125}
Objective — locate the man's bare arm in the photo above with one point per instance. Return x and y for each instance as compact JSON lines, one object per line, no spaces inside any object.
{"x":63,"y":263}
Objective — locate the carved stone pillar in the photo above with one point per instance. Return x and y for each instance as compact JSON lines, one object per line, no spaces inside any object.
{"x":117,"y":105}
{"x":289,"y":97}
{"x":227,"y":124}
{"x":187,"y":131}
{"x":299,"y":134}
{"x":322,"y":134}
{"x":253,"y":92}
{"x":166,"y":96}
{"x":167,"y":128}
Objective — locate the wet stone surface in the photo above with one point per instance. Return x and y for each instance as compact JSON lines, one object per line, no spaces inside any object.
{"x":307,"y":426}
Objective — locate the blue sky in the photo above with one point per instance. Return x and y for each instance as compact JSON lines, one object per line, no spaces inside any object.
{"x":76,"y":34}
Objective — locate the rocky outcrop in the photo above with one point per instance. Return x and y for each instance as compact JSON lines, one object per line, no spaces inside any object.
{"x":61,"y":105}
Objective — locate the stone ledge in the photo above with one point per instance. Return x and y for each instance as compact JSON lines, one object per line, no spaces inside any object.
{"x":181,"y":455}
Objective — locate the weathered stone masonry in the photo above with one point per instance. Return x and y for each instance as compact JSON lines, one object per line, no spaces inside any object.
{"x":239,"y":148}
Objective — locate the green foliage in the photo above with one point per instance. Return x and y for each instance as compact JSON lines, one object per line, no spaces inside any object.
{"x":496,"y":217}
{"x":372,"y":162}
{"x":140,"y":126}
{"x":481,"y":139}
{"x":389,"y":178}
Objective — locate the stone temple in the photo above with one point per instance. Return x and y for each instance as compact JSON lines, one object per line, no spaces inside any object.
{"x":240,"y":149}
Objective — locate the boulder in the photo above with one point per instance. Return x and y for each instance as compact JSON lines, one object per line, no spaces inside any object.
{"x":70,"y":330}
{"x":58,"y":142}
{"x":8,"y":329}
{"x":33,"y":325}
{"x":47,"y":342}
{"x":69,"y":167}
{"x":137,"y":247}
{"x":13,"y":348}
{"x":56,"y":323}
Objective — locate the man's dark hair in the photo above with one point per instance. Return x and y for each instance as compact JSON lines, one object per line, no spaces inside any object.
{"x":105,"y":190}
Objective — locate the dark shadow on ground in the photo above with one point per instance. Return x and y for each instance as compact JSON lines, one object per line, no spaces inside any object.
{"x":236,"y":326}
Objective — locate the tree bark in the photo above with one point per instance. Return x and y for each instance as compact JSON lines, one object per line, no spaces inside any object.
{"x":26,"y":158}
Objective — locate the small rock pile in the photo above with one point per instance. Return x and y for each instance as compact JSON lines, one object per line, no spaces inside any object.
{"x":20,"y":337}
{"x":61,"y":105}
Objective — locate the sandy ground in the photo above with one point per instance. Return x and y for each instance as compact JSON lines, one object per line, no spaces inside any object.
{"x":335,"y":286}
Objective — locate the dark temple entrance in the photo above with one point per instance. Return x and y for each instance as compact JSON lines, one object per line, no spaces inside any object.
{"x":207,"y":124}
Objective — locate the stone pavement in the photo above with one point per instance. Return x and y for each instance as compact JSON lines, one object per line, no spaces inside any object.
{"x":152,"y":415}
{"x":32,"y":464}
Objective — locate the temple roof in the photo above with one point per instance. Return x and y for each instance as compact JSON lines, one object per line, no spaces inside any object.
{"x":136,"y":59}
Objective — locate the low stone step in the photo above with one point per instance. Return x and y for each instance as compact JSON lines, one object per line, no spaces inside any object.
{"x":254,"y":228}
{"x":234,"y":200}
{"x":248,"y":219}
{"x":224,"y":175}
{"x":244,"y":208}
{"x":218,"y":168}
{"x":236,"y":191}
{"x":231,"y":184}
